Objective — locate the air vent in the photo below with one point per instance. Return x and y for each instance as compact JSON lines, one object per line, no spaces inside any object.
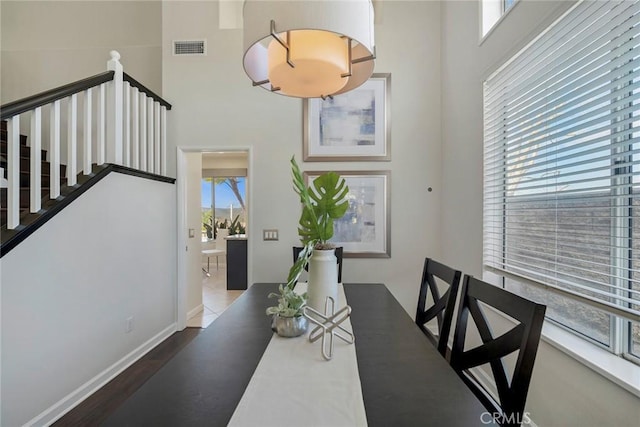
{"x":190,"y":47}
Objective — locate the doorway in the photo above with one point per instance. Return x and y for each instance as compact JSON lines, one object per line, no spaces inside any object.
{"x":214,"y":221}
{"x":224,"y":222}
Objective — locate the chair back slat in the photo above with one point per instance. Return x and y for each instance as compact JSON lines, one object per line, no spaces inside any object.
{"x":443,"y":305}
{"x":524,"y":338}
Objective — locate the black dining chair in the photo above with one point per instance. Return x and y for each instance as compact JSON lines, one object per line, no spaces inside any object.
{"x":338,"y":252}
{"x":523,"y":338}
{"x":443,"y":305}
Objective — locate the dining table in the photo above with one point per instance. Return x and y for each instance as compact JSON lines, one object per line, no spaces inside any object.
{"x":404,"y":380}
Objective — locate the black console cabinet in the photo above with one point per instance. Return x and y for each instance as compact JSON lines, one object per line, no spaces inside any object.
{"x":236,"y":263}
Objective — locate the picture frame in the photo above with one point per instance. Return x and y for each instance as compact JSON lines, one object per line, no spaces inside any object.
{"x":353,"y":126}
{"x":365,"y":230}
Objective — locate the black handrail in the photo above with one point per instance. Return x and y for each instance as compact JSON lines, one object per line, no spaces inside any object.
{"x":142,"y":88}
{"x":29,"y":103}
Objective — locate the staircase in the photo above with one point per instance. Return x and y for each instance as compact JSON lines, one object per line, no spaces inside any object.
{"x":25,"y":170}
{"x":114,"y":124}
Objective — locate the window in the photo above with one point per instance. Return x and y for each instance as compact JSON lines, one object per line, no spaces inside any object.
{"x":207,"y":203}
{"x":562,"y":173}
{"x":506,"y":4}
{"x":225,"y":197}
{"x":492,"y":11}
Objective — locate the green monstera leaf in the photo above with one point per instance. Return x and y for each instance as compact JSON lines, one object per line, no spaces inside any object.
{"x":309,"y":227}
{"x":330,"y":200}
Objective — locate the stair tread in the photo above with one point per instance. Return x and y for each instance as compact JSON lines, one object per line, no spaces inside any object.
{"x":22,"y":158}
{"x":25,"y":151}
{"x":4,"y":137}
{"x":26,"y":218}
{"x":44,"y":171}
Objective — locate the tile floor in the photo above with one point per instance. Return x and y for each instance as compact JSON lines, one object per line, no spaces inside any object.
{"x":215,"y":296}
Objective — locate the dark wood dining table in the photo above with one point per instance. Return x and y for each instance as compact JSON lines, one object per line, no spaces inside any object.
{"x":404,"y":380}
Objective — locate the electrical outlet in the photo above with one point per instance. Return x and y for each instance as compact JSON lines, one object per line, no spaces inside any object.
{"x":270,"y":234}
{"x":129,"y":325}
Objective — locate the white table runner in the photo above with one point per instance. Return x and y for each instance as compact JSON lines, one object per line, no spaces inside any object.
{"x":294,"y":386}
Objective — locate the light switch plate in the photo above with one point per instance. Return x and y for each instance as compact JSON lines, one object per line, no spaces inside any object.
{"x":192,"y":233}
{"x":270,"y":234}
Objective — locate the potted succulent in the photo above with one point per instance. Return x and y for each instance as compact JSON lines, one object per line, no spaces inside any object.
{"x":322,"y":203}
{"x":236,"y":227}
{"x":288,"y":320}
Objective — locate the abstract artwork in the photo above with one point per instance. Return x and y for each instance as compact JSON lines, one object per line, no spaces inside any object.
{"x":350,"y":126}
{"x":364,"y":231}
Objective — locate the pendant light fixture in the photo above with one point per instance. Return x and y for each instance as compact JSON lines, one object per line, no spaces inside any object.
{"x":308,"y":48}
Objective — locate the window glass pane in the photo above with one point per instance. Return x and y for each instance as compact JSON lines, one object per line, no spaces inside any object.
{"x":578,"y":317}
{"x":508,"y":4}
{"x":542,"y":243}
{"x":207,"y":217}
{"x":634,"y":339}
{"x":230,"y":203}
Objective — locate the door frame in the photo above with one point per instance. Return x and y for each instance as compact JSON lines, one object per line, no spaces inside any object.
{"x":182,"y":229}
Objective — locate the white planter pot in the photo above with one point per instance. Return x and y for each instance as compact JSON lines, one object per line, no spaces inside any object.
{"x":323,"y":279}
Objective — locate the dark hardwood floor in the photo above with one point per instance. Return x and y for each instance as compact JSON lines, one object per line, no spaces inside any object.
{"x":97,"y":407}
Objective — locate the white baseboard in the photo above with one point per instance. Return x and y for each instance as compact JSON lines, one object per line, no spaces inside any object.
{"x":64,"y":405}
{"x":198,"y":309}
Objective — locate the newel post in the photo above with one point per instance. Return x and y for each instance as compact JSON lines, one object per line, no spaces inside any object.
{"x":114,"y":110}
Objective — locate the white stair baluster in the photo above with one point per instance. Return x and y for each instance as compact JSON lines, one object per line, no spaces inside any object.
{"x":143,"y":131}
{"x":114,"y":110}
{"x":135,"y":123}
{"x":54,"y":151}
{"x":150,"y":129}
{"x":72,"y":139}
{"x":126,"y":158}
{"x":88,"y":101}
{"x":36,"y":159}
{"x":13,"y":172}
{"x":163,"y":142}
{"x":156,"y":134}
{"x":102,"y":124}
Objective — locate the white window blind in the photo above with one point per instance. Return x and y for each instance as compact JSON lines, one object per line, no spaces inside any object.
{"x":562,"y":159}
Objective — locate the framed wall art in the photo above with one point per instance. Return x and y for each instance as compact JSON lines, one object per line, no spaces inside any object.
{"x":365,"y":230}
{"x":352,"y":126}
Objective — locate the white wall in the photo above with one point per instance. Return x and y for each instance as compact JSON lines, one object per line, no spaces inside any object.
{"x":50,"y":43}
{"x":216,"y":106}
{"x":194,"y":221}
{"x":68,"y":289}
{"x":238,"y":160}
{"x":563,"y":392}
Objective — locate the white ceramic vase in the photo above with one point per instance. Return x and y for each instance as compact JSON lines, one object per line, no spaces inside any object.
{"x":323,"y":279}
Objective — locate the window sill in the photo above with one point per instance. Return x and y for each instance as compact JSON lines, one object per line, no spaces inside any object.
{"x":622,"y":372}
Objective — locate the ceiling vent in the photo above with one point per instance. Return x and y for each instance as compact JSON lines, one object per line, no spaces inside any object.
{"x":190,"y":47}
